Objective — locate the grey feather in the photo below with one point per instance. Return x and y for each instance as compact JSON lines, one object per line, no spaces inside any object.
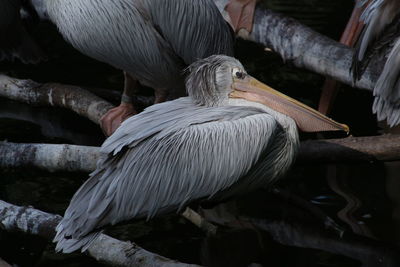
{"x":181,"y":151}
{"x":201,"y":153}
{"x":152,"y":40}
{"x":197,"y":25}
{"x":382,"y":31}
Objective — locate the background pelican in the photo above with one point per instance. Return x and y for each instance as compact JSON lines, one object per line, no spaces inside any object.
{"x":151,"y":40}
{"x":215,"y":143}
{"x":15,"y":40}
{"x":382,"y":19}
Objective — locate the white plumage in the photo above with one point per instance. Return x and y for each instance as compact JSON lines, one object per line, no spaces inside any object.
{"x":382,"y":29}
{"x":179,"y":151}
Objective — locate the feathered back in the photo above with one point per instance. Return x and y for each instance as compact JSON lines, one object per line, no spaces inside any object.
{"x":170,"y":154}
{"x":381,"y":18}
{"x":380,"y":34}
{"x":153,"y":40}
{"x":387,"y":89}
{"x":195,"y":29}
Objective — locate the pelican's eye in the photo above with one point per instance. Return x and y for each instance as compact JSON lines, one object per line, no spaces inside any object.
{"x":239,"y":74}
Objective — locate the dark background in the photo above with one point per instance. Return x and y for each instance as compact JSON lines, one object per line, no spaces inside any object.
{"x":172,"y":236}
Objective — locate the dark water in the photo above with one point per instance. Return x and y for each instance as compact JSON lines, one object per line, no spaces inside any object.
{"x":365,"y":195}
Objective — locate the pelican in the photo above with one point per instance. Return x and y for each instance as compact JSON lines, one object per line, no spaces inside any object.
{"x":382,"y":22}
{"x":16,"y":43}
{"x":230,"y":135}
{"x":152,"y":41}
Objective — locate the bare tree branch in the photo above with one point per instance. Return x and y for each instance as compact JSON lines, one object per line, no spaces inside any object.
{"x":83,"y":158}
{"x":105,"y":249}
{"x":50,"y":157}
{"x":72,"y":97}
{"x":296,"y":228}
{"x":304,"y":47}
{"x":351,"y":149}
{"x":370,"y":252}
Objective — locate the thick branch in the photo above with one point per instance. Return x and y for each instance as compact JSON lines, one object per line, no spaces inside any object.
{"x":370,"y":148}
{"x":304,"y":47}
{"x":369,"y":252}
{"x":75,"y":98}
{"x":105,"y":249}
{"x":49,"y":157}
{"x":83,"y":158}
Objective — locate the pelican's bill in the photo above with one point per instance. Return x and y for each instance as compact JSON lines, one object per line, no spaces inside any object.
{"x":307,"y":119}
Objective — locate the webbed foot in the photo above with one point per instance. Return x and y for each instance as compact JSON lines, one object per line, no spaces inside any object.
{"x":241,"y":13}
{"x":115,"y":116}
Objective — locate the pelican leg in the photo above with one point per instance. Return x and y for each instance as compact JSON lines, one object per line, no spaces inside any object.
{"x":241,"y":14}
{"x":115,"y":116}
{"x":349,"y":38}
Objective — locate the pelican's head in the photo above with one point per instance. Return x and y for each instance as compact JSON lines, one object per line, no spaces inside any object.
{"x":214,"y":80}
{"x":209,"y":80}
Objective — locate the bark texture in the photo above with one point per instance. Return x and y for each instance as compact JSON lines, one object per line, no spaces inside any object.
{"x":105,"y":249}
{"x":305,"y":48}
{"x":75,"y":98}
{"x":351,"y":149}
{"x":83,"y":158}
{"x":369,"y":252}
{"x":49,"y":157}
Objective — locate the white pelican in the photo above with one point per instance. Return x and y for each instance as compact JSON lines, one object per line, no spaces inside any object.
{"x":230,"y":135}
{"x":152,"y":41}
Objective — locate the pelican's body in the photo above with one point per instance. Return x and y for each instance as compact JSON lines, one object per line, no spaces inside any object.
{"x":15,"y":40}
{"x":207,"y":145}
{"x":382,"y":29}
{"x":152,"y":41}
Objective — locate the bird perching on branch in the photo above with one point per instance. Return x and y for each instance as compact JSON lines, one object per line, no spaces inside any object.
{"x":232,"y":134}
{"x":382,"y":29}
{"x":152,"y":41}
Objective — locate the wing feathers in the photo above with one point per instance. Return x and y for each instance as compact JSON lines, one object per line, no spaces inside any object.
{"x":196,"y":157}
{"x":382,"y":29}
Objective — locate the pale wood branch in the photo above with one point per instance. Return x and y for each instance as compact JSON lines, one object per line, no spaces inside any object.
{"x":83,"y":158}
{"x":75,"y":98}
{"x":50,"y":157}
{"x":104,"y":249}
{"x":305,"y":48}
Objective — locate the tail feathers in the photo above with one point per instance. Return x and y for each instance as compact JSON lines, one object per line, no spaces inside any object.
{"x":387,"y":89}
{"x":68,"y":245}
{"x":86,"y":213}
{"x":387,"y":110}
